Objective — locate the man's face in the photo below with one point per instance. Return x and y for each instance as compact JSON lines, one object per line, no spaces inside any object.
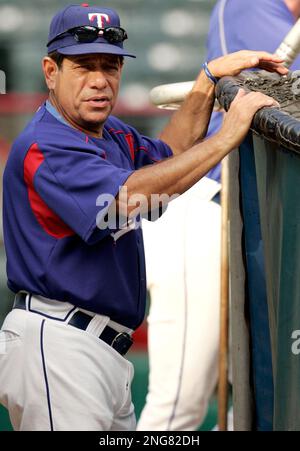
{"x":86,"y":88}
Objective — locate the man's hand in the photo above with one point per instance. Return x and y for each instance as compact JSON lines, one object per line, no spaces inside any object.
{"x":240,"y":115}
{"x":234,"y":63}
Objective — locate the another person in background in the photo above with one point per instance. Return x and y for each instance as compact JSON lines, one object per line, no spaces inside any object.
{"x":183,"y":248}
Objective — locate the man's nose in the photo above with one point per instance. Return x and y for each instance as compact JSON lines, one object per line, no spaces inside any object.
{"x":97,"y":79}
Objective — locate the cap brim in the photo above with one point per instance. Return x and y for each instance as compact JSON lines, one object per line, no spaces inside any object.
{"x":84,"y":49}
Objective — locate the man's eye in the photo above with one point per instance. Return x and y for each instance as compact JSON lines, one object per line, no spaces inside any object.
{"x":91,"y":67}
{"x":112,"y":68}
{"x":84,"y":66}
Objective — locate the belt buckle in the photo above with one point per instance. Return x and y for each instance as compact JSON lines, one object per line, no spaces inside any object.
{"x":122,"y":342}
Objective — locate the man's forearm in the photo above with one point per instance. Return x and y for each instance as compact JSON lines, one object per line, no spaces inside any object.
{"x":177,"y":174}
{"x":172,"y":176}
{"x":189,"y":124}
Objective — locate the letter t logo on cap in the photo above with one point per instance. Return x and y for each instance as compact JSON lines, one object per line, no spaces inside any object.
{"x":99,"y":18}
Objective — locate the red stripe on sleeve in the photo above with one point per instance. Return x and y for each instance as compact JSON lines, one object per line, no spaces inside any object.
{"x":48,"y":220}
{"x":130,"y":142}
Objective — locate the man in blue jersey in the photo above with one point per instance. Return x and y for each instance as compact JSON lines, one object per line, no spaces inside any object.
{"x":76,"y":181}
{"x":183,"y":322}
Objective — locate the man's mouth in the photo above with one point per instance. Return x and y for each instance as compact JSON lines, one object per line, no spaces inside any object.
{"x":98,"y":101}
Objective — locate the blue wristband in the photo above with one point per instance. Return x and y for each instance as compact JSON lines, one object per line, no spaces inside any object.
{"x":209,"y":74}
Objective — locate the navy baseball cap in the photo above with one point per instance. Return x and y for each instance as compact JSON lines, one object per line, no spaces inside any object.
{"x":73,"y":16}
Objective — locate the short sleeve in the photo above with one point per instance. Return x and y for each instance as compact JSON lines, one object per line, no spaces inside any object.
{"x":79,"y":188}
{"x":149,"y":151}
{"x":141,"y":150}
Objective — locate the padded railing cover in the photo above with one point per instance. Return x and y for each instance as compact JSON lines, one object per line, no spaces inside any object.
{"x":281,"y":125}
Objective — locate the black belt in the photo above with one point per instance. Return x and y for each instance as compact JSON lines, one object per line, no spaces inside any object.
{"x":120,"y":341}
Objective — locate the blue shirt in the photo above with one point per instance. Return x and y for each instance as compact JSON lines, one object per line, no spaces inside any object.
{"x":246,"y":25}
{"x":53,"y":177}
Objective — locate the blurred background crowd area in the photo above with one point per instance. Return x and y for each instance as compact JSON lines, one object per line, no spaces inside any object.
{"x":167,"y":36}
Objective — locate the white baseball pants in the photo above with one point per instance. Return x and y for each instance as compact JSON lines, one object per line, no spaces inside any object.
{"x":56,"y":377}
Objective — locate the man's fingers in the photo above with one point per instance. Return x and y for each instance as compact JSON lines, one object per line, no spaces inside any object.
{"x":273,"y":67}
{"x":262,"y":99}
{"x":254,"y":61}
{"x":241,"y":93}
{"x":234,"y":63}
{"x":256,"y":100}
{"x":270,"y":57}
{"x":265,"y":60}
{"x":270,"y":65}
{"x":241,"y":112}
{"x":249,"y":104}
{"x":262,"y":55}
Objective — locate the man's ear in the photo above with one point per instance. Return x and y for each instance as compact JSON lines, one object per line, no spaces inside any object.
{"x":50,"y":70}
